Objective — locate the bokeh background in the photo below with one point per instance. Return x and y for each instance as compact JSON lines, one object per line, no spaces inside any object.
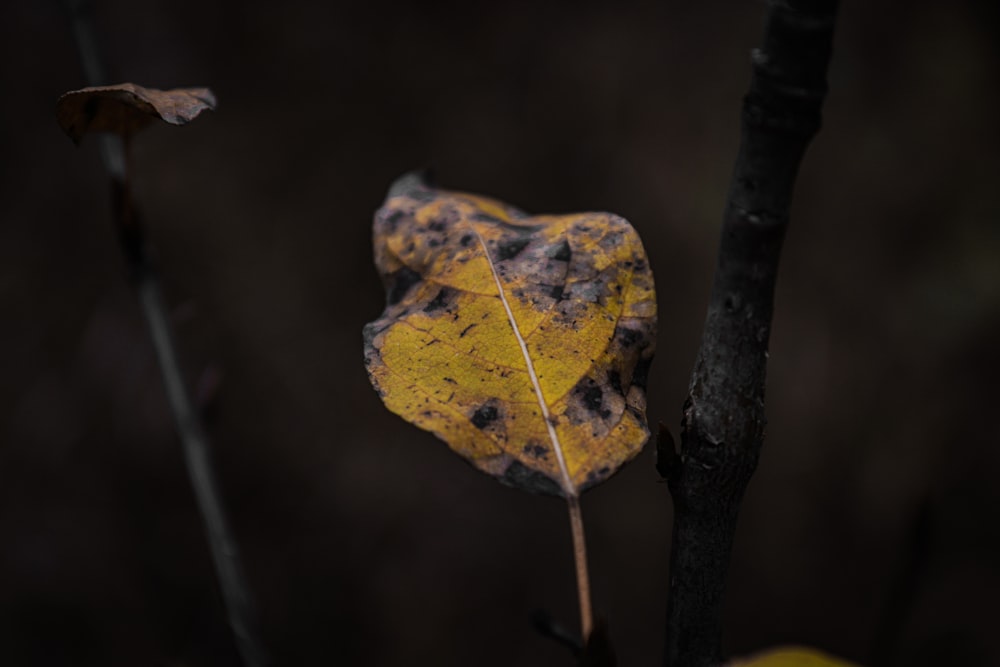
{"x":872,"y":527}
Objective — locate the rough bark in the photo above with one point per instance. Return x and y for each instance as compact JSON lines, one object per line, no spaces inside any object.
{"x":723,"y":425}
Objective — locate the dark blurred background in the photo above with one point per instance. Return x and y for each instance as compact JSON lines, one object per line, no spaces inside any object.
{"x":872,"y":527}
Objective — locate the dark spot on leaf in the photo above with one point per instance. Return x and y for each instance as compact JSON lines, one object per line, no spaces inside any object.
{"x":484,"y":416}
{"x":556,"y":291}
{"x":440,"y":300}
{"x":392,"y":220}
{"x":610,"y":241}
{"x":398,"y":283}
{"x":615,"y":380}
{"x":465,"y":330}
{"x":522,"y":477}
{"x":466,"y":240}
{"x":535,"y":450}
{"x":628,"y":337}
{"x":592,"y":398}
{"x":450,"y":380}
{"x":512,"y":247}
{"x":436,"y":226}
{"x":561,"y":252}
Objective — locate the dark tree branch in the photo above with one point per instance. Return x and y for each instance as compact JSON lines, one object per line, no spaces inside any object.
{"x":723,"y":425}
{"x":222,"y":546}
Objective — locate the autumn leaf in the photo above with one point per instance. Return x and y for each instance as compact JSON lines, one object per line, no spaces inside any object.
{"x":126,"y":108}
{"x":523,"y":342}
{"x":791,"y":656}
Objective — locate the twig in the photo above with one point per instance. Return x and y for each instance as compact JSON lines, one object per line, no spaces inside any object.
{"x":904,"y":584}
{"x":580,"y":560}
{"x":723,"y":425}
{"x":225,"y":554}
{"x":546,"y":626}
{"x":597,"y":652}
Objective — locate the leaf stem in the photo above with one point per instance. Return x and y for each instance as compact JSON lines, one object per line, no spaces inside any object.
{"x":580,"y":558}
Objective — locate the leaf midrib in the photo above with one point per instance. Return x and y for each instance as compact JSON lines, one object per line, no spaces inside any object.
{"x":567,"y":483}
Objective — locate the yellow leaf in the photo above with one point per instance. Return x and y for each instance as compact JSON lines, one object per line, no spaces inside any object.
{"x":791,"y":656}
{"x":522,"y":342}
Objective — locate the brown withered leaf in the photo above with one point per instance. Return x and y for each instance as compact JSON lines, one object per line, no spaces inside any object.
{"x":126,"y":108}
{"x":522,"y":342}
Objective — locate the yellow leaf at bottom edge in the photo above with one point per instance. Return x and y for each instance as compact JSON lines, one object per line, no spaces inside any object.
{"x":791,"y":656}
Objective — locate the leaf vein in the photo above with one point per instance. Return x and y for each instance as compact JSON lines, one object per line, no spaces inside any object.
{"x":567,"y":482}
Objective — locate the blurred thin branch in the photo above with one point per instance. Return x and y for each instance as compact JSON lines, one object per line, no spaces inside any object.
{"x":225,"y":554}
{"x":903,"y":586}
